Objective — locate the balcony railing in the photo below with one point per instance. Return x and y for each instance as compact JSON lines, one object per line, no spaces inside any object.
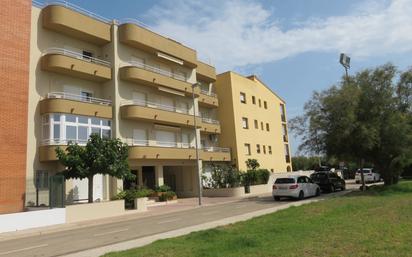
{"x":77,"y":9}
{"x":210,"y":121}
{"x":158,"y":70}
{"x":80,"y":98}
{"x":206,"y":92}
{"x":287,"y":157}
{"x":216,"y":149}
{"x":58,"y":141}
{"x":62,"y":51}
{"x":155,"y":105}
{"x":137,"y":142}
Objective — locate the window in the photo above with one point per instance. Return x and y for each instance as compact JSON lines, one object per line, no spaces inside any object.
{"x":284,"y":133}
{"x":86,"y":96}
{"x":282,"y":112}
{"x":253,"y":100}
{"x":261,"y":125}
{"x":245,"y":124}
{"x":256,"y":124}
{"x":264,"y":149}
{"x":87,"y":55}
{"x":258,"y":148}
{"x":242,"y":98}
{"x":247,"y":149}
{"x":260,"y":103}
{"x":267,"y":127}
{"x":42,"y":179}
{"x":265,"y":104}
{"x":270,"y":149}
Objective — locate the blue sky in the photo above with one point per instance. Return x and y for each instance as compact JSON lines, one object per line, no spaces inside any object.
{"x":293,"y":45}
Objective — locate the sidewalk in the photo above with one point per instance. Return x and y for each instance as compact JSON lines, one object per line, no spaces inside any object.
{"x":182,"y":205}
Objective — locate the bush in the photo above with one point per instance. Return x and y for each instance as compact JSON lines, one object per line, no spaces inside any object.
{"x":130,"y":194}
{"x":256,"y":177}
{"x":223,"y":176}
{"x":163,"y":188}
{"x":169,"y":195}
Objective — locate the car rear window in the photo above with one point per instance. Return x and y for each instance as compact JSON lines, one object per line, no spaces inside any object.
{"x":285,"y":181}
{"x":319,"y":175}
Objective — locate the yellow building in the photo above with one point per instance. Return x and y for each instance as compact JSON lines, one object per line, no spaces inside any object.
{"x":253,"y":122}
{"x":119,"y":79}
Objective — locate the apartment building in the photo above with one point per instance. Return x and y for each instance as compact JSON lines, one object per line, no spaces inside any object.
{"x":253,"y":122}
{"x":119,"y":79}
{"x":14,"y":74}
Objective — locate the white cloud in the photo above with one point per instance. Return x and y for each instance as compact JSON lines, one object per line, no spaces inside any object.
{"x":238,"y":33}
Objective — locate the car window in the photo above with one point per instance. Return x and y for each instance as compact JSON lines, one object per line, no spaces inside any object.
{"x":285,"y":181}
{"x":301,"y":180}
{"x":318,"y":176}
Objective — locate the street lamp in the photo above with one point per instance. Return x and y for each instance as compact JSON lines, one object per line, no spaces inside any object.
{"x":345,"y":61}
{"x":196,"y":144}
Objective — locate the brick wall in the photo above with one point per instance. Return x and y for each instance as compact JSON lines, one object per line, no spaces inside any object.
{"x":14,"y":78}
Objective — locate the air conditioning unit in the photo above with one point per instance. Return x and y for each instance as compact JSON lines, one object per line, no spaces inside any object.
{"x":213,"y":138}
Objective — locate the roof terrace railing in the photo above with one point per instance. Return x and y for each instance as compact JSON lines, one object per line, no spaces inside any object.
{"x":57,"y":50}
{"x":158,"y":70}
{"x":80,"y":98}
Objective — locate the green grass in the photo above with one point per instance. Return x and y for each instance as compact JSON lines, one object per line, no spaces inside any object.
{"x":373,"y":223}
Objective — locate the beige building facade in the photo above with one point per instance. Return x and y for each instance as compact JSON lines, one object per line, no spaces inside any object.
{"x":253,"y":122}
{"x":119,"y":79}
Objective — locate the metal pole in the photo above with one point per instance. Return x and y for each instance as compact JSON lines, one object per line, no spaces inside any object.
{"x":197,"y":148}
{"x":362,"y":176}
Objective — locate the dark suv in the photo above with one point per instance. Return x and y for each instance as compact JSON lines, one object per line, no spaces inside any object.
{"x":328,"y":181}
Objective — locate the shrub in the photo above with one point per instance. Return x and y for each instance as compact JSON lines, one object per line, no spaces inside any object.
{"x":163,"y":188}
{"x":169,"y":195}
{"x":252,"y":164}
{"x":224,"y":176}
{"x":256,"y":177}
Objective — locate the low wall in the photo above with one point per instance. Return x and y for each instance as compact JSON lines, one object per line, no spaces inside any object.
{"x":224,"y":192}
{"x":91,"y":211}
{"x":31,"y":219}
{"x":274,"y":176}
{"x":260,"y":189}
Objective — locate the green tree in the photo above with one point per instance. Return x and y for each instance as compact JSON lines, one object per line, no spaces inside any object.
{"x":100,"y":156}
{"x":362,"y":118}
{"x":252,"y":164}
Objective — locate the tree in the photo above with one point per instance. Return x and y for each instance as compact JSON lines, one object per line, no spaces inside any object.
{"x":252,"y":164}
{"x":361,"y":119}
{"x":100,"y":156}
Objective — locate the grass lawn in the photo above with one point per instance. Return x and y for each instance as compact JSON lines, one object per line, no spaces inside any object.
{"x":374,"y":223}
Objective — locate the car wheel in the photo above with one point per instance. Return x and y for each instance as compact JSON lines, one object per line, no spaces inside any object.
{"x":343,"y":187}
{"x":317,"y":192}
{"x":332,"y":188}
{"x":277,"y":198}
{"x":301,"y":195}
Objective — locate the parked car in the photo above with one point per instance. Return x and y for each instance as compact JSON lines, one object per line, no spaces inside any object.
{"x":328,"y":181}
{"x":369,"y":175}
{"x":294,"y":187}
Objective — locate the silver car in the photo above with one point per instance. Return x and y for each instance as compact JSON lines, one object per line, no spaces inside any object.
{"x":294,"y":187}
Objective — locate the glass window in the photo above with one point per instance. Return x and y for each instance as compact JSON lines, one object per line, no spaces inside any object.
{"x":46,"y":131}
{"x":56,"y":131}
{"x":106,"y":133}
{"x":270,"y":149}
{"x":83,"y":133}
{"x":247,"y":149}
{"x":256,"y":124}
{"x":253,"y":100}
{"x":260,"y":103}
{"x":95,"y":121}
{"x":56,"y":117}
{"x":83,"y":120}
{"x":242,"y":98}
{"x":71,"y":132}
{"x":265,"y":104}
{"x":261,"y":125}
{"x":70,"y":118}
{"x":264,"y":149}
{"x":245,"y":124}
{"x":106,"y":123}
{"x":258,"y":148}
{"x":267,"y":126}
{"x":42,"y":179}
{"x":96,"y":131}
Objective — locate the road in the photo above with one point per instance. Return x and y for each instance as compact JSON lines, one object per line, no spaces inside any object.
{"x":80,"y":239}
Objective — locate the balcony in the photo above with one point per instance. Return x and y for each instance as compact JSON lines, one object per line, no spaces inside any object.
{"x":215,"y":154}
{"x":210,"y":126}
{"x":60,"y":102}
{"x":155,"y":112}
{"x":133,"y":34}
{"x":205,"y":72}
{"x":47,"y":149}
{"x":157,"y":150}
{"x":151,"y":76}
{"x":287,"y":157}
{"x":76,"y":22}
{"x":76,"y":64}
{"x":208,"y":99}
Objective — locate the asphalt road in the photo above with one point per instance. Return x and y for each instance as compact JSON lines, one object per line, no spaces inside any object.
{"x":70,"y":241}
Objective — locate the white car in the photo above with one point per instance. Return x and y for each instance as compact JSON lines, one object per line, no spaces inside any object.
{"x":295,"y":187}
{"x":369,"y":175}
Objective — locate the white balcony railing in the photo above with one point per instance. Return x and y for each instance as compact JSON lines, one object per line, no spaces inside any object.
{"x":77,"y":9}
{"x":167,"y":144}
{"x":59,"y":141}
{"x":216,"y":149}
{"x":80,"y":98}
{"x":56,"y":50}
{"x":210,"y":121}
{"x":158,"y":70}
{"x":206,"y":92}
{"x":155,"y":105}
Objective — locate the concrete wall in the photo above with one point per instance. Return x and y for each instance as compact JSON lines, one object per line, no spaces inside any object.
{"x":91,"y":211}
{"x":32,"y":219}
{"x":224,"y":192}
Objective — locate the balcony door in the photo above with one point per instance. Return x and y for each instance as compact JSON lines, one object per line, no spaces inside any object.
{"x":139,"y":137}
{"x":139,"y":98}
{"x":165,"y":138}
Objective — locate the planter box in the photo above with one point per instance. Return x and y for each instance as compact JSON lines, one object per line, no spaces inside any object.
{"x":91,"y":211}
{"x":224,"y":192}
{"x":140,"y":204}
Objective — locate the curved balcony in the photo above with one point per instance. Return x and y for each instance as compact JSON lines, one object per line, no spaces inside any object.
{"x":132,"y":33}
{"x":47,"y":149}
{"x":155,"y":112}
{"x":208,"y":99}
{"x":69,"y":19}
{"x":215,"y":154}
{"x":159,"y":150}
{"x":75,"y":64}
{"x":60,"y":102}
{"x":151,"y":76}
{"x":210,"y":126}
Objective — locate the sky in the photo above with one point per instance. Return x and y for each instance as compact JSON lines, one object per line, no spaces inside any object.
{"x":292,"y":45}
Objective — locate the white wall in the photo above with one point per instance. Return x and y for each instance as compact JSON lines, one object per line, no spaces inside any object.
{"x":32,"y":219}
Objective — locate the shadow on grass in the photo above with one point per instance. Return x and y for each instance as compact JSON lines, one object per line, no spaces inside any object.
{"x":403,"y":187}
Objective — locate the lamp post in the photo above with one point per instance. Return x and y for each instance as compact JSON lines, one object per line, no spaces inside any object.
{"x":196,"y":145}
